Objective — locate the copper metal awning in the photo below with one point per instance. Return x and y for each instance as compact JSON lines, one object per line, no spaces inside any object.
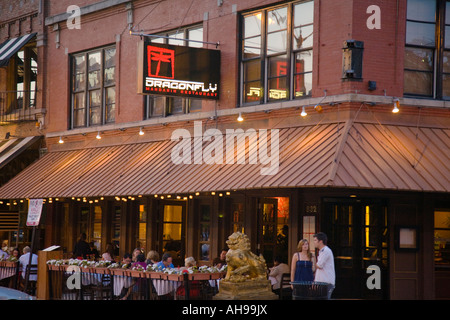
{"x":348,"y":155}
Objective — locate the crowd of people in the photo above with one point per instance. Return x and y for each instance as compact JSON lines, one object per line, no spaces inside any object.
{"x":305,"y":266}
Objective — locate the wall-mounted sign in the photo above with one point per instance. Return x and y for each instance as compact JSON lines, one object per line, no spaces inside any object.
{"x":34,"y":212}
{"x":178,"y":71}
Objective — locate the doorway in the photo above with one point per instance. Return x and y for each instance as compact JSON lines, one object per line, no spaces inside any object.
{"x":172,"y":230}
{"x":357,"y":231}
{"x":272,"y":230}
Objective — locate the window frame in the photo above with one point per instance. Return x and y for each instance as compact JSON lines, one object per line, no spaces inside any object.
{"x":438,"y":51}
{"x":265,"y":57}
{"x":103,"y":87}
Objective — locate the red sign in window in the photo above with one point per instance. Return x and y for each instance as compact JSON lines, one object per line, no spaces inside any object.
{"x":161,"y":62}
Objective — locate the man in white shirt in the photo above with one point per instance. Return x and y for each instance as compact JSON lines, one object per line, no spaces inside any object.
{"x":24,"y":259}
{"x":325,"y":262}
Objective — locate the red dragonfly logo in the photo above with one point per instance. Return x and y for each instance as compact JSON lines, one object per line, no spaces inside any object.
{"x":161,"y":62}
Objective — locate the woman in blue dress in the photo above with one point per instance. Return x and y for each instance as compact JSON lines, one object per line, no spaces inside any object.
{"x":303,"y":263}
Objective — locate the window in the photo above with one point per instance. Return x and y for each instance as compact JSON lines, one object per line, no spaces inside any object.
{"x":141,"y":232}
{"x":205,"y":230}
{"x":442,"y":238}
{"x":93,"y":88}
{"x":162,"y":106}
{"x":427,"y":49}
{"x":276,"y":53}
{"x":19,"y":88}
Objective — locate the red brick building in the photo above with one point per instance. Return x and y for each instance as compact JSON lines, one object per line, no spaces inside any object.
{"x":375,"y":181}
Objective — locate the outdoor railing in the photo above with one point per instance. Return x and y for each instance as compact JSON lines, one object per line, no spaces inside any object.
{"x":9,"y":274}
{"x":83,"y":282}
{"x":17,"y":106}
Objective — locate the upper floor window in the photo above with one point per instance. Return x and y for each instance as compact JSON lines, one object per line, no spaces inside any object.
{"x":161,"y":106}
{"x":93,"y":87}
{"x":19,"y":85}
{"x":427,"y":49}
{"x":276,"y":53}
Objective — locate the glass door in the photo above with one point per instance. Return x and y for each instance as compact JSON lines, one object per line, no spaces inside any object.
{"x":172,"y":230}
{"x":358,"y":236}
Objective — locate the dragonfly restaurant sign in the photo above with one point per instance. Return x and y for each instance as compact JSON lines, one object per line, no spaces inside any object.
{"x":178,"y":71}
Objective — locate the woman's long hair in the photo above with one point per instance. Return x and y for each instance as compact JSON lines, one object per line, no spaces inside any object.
{"x":300,"y":247}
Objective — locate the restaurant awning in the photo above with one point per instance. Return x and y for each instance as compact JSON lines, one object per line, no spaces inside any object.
{"x":343,"y":155}
{"x":11,"y":46}
{"x":9,"y":149}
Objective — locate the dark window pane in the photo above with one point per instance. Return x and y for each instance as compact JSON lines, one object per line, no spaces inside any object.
{"x":420,"y":83}
{"x":110,"y":104}
{"x":421,"y":10}
{"x":94,"y":79}
{"x":447,"y":10}
{"x":79,"y":118}
{"x":278,"y":88}
{"x":110,"y":57}
{"x":176,"y":105}
{"x":252,"y":70}
{"x":447,"y":35}
{"x":94,"y":61}
{"x":78,"y":101}
{"x":95,"y":115}
{"x":195,"y":105}
{"x":446,"y":62}
{"x":79,"y":82}
{"x":277,"y":66}
{"x":419,"y":59}
{"x":252,"y":91}
{"x":79,"y":65}
{"x":446,"y":85}
{"x":421,"y":34}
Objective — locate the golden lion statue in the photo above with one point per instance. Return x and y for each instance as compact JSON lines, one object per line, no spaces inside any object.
{"x":242,"y":264}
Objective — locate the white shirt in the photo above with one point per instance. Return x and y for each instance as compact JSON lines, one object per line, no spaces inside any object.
{"x":277,"y":273}
{"x":325,"y":267}
{"x":24,"y":259}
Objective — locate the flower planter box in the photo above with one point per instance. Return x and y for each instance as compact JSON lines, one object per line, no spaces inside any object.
{"x":118,"y":272}
{"x":8,"y":264}
{"x":200,"y":276}
{"x":174,"y":277}
{"x":153,"y":275}
{"x":136,"y":273}
{"x":54,"y":267}
{"x":102,"y":270}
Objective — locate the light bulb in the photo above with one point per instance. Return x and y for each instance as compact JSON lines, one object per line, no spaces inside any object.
{"x":141,"y":133}
{"x":303,"y":114}
{"x":240,"y":118}
{"x":98,"y":135}
{"x":61,"y":140}
{"x":396,"y":105}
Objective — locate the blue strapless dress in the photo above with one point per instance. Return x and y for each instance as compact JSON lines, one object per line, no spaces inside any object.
{"x":303,"y":271}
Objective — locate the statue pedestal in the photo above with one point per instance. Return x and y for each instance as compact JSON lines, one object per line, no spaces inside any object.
{"x":246,"y":290}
